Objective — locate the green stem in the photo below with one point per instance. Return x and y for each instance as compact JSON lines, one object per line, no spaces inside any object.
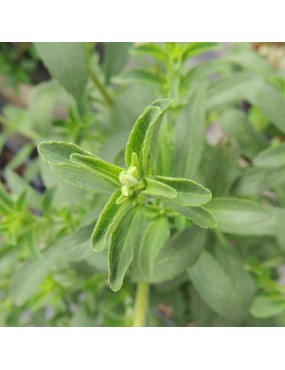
{"x":99,"y":86}
{"x":141,"y":304}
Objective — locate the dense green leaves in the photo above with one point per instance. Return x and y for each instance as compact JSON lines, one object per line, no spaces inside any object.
{"x":66,"y":62}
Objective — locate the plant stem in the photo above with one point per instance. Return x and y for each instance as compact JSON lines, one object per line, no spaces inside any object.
{"x":99,"y":86}
{"x":141,"y":304}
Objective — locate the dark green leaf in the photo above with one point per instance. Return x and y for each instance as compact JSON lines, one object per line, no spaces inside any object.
{"x":106,"y":218}
{"x":121,"y":251}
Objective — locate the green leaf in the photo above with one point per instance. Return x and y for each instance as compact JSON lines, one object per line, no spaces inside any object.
{"x":257,"y":179}
{"x":138,"y":76}
{"x":27,"y":280}
{"x":83,"y":178}
{"x":195,"y":48}
{"x":271,"y":103}
{"x":116,"y":56}
{"x":198,"y":215}
{"x":106,"y":218}
{"x":264,"y":306}
{"x":6,"y":203}
{"x":176,"y":255}
{"x":230,"y":261}
{"x":271,"y":157}
{"x":158,"y":189}
{"x":241,"y":217}
{"x":66,"y":63}
{"x":151,"y":49}
{"x":122,"y":245}
{"x":104,"y":169}
{"x":189,"y":193}
{"x":141,"y":137}
{"x":59,"y":152}
{"x":239,"y":86}
{"x":155,"y":235}
{"x":216,"y":288}
{"x":250,"y":61}
{"x":190,"y":135}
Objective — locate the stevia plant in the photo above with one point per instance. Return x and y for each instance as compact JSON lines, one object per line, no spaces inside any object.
{"x":134,"y":191}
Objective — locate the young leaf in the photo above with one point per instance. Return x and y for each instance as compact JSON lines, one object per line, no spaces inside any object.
{"x":58,"y":152}
{"x":142,"y":136}
{"x":152,"y":49}
{"x":190,"y":135}
{"x":137,"y":135}
{"x":106,"y":218}
{"x":189,"y":193}
{"x":122,"y":245}
{"x":138,"y":76}
{"x":241,"y":217}
{"x":199,"y":215}
{"x":216,"y":288}
{"x":271,"y":157}
{"x":83,"y":178}
{"x":264,"y":306}
{"x":195,"y":48}
{"x":66,"y":62}
{"x":159,"y":189}
{"x":104,"y":169}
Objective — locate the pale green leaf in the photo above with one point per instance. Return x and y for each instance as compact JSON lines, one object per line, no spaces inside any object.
{"x":189,"y":193}
{"x":216,"y":288}
{"x":66,"y":62}
{"x":264,"y":306}
{"x":190,"y":135}
{"x":242,"y":217}
{"x":271,"y":157}
{"x":152,"y":49}
{"x":121,"y":251}
{"x":199,"y":215}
